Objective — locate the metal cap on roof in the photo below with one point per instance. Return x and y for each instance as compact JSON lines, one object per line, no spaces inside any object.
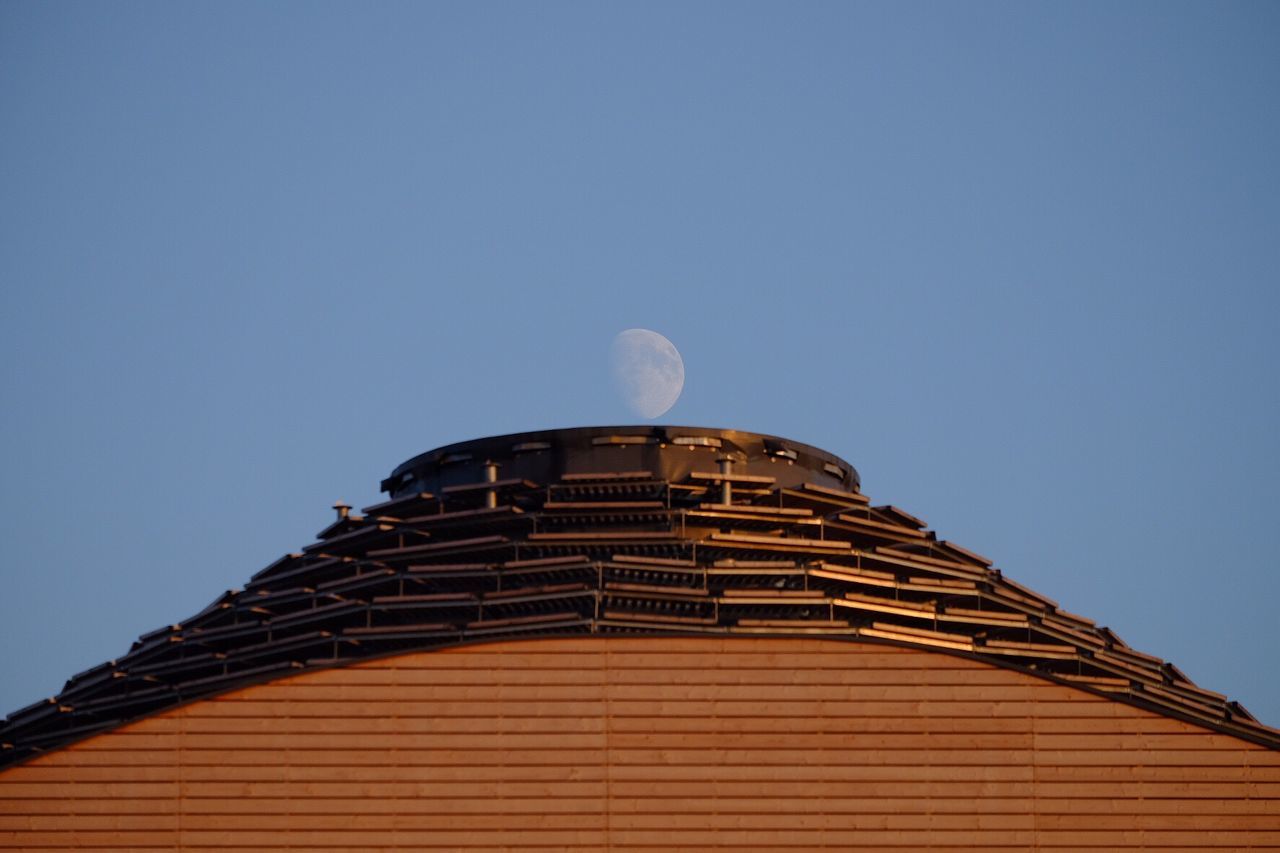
{"x":668,"y":452}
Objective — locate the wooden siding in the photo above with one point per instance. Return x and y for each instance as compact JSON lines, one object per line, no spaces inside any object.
{"x":651,"y":743}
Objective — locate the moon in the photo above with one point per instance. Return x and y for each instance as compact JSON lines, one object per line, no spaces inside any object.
{"x":647,"y":371}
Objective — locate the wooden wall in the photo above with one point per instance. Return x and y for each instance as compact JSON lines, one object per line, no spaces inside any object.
{"x":651,"y":743}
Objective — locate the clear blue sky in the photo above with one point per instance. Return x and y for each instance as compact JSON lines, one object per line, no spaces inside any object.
{"x":1017,"y":262}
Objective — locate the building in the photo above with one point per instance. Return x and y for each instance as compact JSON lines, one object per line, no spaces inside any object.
{"x":635,"y":638}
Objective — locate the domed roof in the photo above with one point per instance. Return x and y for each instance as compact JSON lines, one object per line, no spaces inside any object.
{"x":609,"y":530}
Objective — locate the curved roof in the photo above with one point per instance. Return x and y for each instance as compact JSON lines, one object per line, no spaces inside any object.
{"x":613,"y":530}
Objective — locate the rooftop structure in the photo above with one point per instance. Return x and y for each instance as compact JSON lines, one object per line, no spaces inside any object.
{"x":605,"y":531}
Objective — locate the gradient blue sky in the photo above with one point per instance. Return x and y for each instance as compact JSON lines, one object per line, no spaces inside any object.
{"x":1016,"y":262}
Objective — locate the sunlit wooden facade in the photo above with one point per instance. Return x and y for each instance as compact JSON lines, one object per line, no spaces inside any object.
{"x":615,"y":639}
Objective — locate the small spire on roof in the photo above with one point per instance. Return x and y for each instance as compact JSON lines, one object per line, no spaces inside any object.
{"x":343,"y":510}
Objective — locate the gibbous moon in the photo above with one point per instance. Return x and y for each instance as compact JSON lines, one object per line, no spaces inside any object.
{"x":647,"y":371}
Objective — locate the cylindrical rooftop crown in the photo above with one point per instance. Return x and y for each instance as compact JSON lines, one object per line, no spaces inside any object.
{"x":667,"y":452}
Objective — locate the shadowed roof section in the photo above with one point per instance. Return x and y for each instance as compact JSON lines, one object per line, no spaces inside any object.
{"x":613,"y":530}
